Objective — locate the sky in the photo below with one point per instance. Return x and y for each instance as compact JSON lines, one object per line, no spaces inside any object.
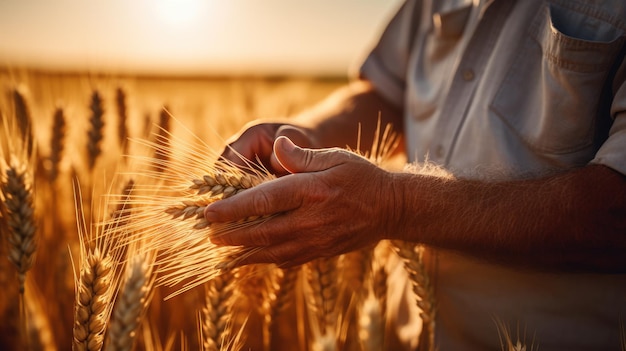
{"x":322,"y":37}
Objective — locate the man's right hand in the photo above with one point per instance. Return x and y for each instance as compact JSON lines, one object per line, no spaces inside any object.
{"x":256,"y":144}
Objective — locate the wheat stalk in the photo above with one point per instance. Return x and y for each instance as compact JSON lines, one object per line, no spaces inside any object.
{"x":281,"y":295}
{"x":18,"y":212}
{"x":93,"y":299}
{"x":169,"y":211}
{"x":161,"y":152}
{"x":217,"y":311}
{"x":322,"y":278}
{"x":379,"y":287}
{"x":371,"y":324}
{"x":40,"y":333}
{"x":122,"y":117}
{"x":23,"y":118}
{"x":17,"y":194}
{"x":412,"y":255}
{"x":96,"y":284}
{"x":56,"y":144}
{"x":356,"y":272}
{"x":96,"y":130}
{"x":132,"y":302}
{"x":506,"y":341}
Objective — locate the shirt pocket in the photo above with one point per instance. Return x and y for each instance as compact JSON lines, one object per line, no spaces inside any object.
{"x":551,"y":94}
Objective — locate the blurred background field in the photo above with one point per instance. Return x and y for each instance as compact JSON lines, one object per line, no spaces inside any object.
{"x":212,"y":108}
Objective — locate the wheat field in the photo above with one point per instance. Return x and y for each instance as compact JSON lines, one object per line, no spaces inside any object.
{"x":103,"y":178}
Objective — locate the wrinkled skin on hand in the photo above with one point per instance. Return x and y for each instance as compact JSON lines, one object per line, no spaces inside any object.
{"x":331,"y":202}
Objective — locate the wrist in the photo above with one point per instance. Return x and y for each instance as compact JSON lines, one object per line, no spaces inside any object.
{"x":394,"y":206}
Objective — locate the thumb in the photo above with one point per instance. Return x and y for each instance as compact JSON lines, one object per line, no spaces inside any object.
{"x":299,"y":160}
{"x":298,"y":136}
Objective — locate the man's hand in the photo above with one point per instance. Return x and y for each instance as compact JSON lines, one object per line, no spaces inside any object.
{"x":332,"y":202}
{"x":256,"y":142}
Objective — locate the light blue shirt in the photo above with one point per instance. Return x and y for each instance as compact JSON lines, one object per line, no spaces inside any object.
{"x":510,"y":89}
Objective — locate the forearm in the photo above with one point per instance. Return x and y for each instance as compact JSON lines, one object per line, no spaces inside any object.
{"x":575,"y":220}
{"x":335,"y":122}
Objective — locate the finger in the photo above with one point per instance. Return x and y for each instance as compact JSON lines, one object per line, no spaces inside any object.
{"x":285,"y":255}
{"x":275,"y":196}
{"x":299,"y":160}
{"x":266,"y":231}
{"x":249,"y":146}
{"x":298,"y":136}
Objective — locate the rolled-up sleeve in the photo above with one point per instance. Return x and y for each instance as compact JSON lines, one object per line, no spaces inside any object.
{"x":386,"y":64}
{"x":612,"y":153}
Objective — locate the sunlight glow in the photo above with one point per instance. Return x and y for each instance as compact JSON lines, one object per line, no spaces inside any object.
{"x":190,"y":36}
{"x":179,"y":12}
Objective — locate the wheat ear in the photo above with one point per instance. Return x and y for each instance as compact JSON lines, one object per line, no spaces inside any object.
{"x":23,"y":118}
{"x":93,"y":297}
{"x":122,"y":118}
{"x":169,"y":210}
{"x":506,"y":341}
{"x":281,"y":295}
{"x":322,"y":277}
{"x":356,"y":272}
{"x":161,"y":139}
{"x":371,"y":324}
{"x":96,"y":284}
{"x":217,"y":311}
{"x":56,"y":144}
{"x":131,"y":303}
{"x":413,"y":257}
{"x":379,"y":287}
{"x":96,"y":129}
{"x":18,"y":212}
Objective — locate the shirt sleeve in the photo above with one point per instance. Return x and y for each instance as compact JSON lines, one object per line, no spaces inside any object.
{"x":386,"y":65}
{"x":612,"y":153}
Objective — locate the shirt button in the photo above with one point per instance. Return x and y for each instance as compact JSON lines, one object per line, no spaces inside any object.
{"x":468,"y":75}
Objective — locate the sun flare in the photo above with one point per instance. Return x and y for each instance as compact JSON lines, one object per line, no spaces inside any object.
{"x":179,"y":12}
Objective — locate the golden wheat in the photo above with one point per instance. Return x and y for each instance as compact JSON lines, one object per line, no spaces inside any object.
{"x":40,"y":334}
{"x":95,"y":133}
{"x":371,"y":324}
{"x":163,"y":207}
{"x":57,"y":144}
{"x":217,"y":311}
{"x":322,"y":278}
{"x":506,"y":340}
{"x":413,"y":257}
{"x":96,"y":284}
{"x":130,"y":305}
{"x":122,"y":119}
{"x":23,"y":118}
{"x":17,"y":195}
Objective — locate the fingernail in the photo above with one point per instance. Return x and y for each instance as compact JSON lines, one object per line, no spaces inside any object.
{"x":209,"y":215}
